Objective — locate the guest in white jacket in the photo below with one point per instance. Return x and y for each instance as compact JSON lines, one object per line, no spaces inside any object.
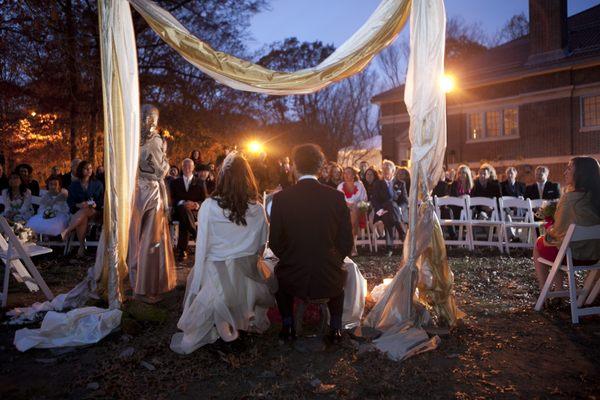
{"x":53,"y":215}
{"x":354,"y":192}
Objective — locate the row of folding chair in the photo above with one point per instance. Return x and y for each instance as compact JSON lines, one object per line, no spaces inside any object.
{"x":506,"y":218}
{"x":371,"y":237}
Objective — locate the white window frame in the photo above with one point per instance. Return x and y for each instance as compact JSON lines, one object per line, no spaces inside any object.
{"x":484,"y":136}
{"x":583,"y":128}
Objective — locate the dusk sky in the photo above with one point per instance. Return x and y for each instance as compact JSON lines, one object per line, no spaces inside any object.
{"x":336,"y":20}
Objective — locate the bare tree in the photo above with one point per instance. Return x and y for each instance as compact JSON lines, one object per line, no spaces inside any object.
{"x":392,"y":62}
{"x":517,"y":26}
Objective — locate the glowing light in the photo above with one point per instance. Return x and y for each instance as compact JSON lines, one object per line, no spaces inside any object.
{"x":255,"y":147}
{"x":447,"y":83}
{"x":387,"y":281}
{"x":33,"y":113}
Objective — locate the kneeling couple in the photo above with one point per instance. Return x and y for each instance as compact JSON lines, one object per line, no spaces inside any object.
{"x":311,"y":235}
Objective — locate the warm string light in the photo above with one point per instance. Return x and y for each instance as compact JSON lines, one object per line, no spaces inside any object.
{"x":255,"y":147}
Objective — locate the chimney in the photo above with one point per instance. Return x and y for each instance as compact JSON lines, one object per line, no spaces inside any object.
{"x":548,"y":33}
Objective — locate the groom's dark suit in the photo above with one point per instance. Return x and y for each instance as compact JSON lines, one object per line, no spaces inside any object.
{"x":311,"y":234}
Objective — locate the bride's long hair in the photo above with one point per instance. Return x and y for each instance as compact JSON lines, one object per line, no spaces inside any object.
{"x":236,"y":188}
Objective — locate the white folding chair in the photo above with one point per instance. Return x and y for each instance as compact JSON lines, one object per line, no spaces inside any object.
{"x":521,"y":221}
{"x":45,"y":239}
{"x":464,"y":238}
{"x":17,"y":259}
{"x":591,"y":286}
{"x":494,"y":225}
{"x":380,"y":240}
{"x":364,"y":237}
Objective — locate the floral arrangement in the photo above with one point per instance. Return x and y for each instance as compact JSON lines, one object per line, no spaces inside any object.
{"x":546,"y":212}
{"x":22,"y":232}
{"x":49,"y":213}
{"x":363,"y":206}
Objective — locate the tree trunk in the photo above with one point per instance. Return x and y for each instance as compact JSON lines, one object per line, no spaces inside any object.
{"x":93,"y":130}
{"x":71,"y":57}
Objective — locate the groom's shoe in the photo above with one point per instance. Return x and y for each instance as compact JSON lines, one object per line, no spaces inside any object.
{"x":334,"y":337}
{"x":287,"y":334}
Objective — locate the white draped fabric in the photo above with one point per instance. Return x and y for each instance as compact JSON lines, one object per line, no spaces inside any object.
{"x":394,"y":313}
{"x":425,"y":100}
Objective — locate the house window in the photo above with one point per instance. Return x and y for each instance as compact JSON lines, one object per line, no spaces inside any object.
{"x":590,"y":111}
{"x":494,"y":124}
{"x":475,"y":126}
{"x":511,"y":122}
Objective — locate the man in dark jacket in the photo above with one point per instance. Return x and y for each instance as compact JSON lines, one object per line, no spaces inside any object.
{"x":311,"y":234}
{"x":542,"y":188}
{"x":512,"y":187}
{"x":187,"y":193}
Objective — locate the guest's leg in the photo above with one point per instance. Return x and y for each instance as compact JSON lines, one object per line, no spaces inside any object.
{"x":187,"y":226}
{"x":285,"y":304}
{"x":336,"y":308}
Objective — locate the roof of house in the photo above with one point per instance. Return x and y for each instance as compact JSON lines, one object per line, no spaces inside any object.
{"x":511,"y":59}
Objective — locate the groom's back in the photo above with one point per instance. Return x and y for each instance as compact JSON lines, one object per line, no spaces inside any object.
{"x":311,"y":234}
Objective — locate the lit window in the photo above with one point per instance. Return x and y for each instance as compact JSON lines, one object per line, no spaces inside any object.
{"x":492,"y":123}
{"x":511,"y":122}
{"x":475,"y":126}
{"x":590,"y":111}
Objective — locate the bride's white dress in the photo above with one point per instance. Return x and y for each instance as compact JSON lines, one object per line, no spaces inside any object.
{"x":226,"y":291}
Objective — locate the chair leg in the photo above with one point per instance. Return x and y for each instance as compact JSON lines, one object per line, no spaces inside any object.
{"x":544,"y":293}
{"x":573,"y":294}
{"x":587,"y":287}
{"x":594,"y":293}
{"x":5,"y":284}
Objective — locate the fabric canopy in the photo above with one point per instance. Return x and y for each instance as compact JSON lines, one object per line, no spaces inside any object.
{"x":424,"y":99}
{"x":350,"y":58}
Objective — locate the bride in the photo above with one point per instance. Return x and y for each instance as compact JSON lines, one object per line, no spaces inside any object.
{"x":225,"y":291}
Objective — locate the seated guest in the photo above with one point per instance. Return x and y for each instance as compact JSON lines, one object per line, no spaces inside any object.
{"x":354,"y":192}
{"x":371,"y":175}
{"x":203,"y":175}
{"x":403,"y":174}
{"x":286,"y":176}
{"x":542,"y":188}
{"x":579,"y":205}
{"x":400,"y":195}
{"x":324,"y":174}
{"x":486,"y":185}
{"x":442,"y":188}
{"x":172,"y":175}
{"x":53,"y":215}
{"x":187,"y":193}
{"x":196,"y":157}
{"x":335,"y":175}
{"x":85,"y":200}
{"x":311,"y":235}
{"x":26,"y":171}
{"x":450,"y":176}
{"x":363,"y":167}
{"x":512,"y":187}
{"x":100,"y":174}
{"x":70,"y":176}
{"x":16,"y":200}
{"x":463,"y":183}
{"x":55,"y":171}
{"x":386,"y":193}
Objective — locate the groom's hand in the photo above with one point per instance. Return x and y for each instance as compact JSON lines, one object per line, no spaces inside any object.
{"x":192,"y":205}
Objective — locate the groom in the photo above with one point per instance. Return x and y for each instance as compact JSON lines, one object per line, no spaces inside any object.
{"x":311,"y":234}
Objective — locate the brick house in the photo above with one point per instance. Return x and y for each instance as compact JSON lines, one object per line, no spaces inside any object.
{"x":534,"y":100}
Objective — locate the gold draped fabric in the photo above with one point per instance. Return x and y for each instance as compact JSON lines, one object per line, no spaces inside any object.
{"x":350,"y":58}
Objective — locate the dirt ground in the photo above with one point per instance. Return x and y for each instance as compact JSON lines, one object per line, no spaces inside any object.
{"x":503,"y":349}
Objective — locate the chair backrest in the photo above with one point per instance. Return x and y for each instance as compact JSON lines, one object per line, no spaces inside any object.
{"x":536,"y":203}
{"x":584,"y":232}
{"x":520,"y":205}
{"x":451,"y":201}
{"x":485,"y":202}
